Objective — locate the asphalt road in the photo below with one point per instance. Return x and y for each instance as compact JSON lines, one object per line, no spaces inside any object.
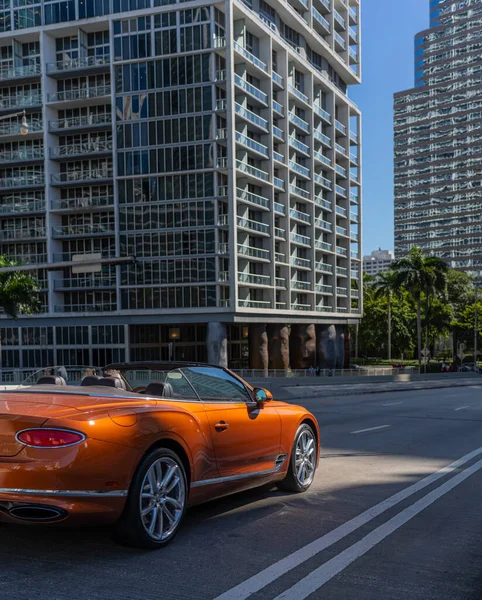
{"x":394,"y":514}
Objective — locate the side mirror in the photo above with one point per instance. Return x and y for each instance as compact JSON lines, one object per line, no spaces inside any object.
{"x":261,"y":395}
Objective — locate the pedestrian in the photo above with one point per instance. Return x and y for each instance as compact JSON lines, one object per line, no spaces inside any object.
{"x":311,"y":370}
{"x":62,"y":372}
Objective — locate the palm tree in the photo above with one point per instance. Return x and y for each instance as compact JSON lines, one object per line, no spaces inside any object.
{"x":420,"y":275}
{"x":18,"y":290}
{"x":384,"y":288}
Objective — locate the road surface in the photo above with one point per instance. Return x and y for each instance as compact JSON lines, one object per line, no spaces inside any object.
{"x":394,"y":514}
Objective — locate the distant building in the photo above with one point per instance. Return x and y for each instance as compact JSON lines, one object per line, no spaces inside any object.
{"x":379,"y":261}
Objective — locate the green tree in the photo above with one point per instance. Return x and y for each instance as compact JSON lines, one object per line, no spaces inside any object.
{"x":384,"y":288}
{"x":424,"y":277}
{"x":18,"y":291}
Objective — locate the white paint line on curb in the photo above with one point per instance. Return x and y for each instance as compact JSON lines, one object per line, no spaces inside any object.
{"x":275,"y":571}
{"x":461,"y":408}
{"x":392,"y":403}
{"x":317,"y":578}
{"x":371,"y":429}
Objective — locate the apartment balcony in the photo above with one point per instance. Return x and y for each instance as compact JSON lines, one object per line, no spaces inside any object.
{"x":353,"y":35}
{"x":280,"y":282}
{"x":279,"y":157}
{"x":279,"y":183}
{"x":321,"y":137}
{"x":82,"y":203}
{"x":341,"y":171}
{"x":353,"y":54}
{"x":323,"y":267}
{"x":12,"y":128}
{"x":90,"y":65}
{"x":252,"y":199}
{"x":323,"y":224}
{"x":103,"y":175}
{"x":252,"y":225}
{"x":253,"y":252}
{"x":322,"y":158}
{"x":325,"y":204}
{"x":298,"y":122}
{"x":324,"y":246}
{"x":277,"y":79}
{"x":353,"y":15}
{"x":355,"y":293}
{"x":74,"y":283}
{"x":27,"y":155}
{"x":340,"y":41}
{"x":353,"y":159}
{"x":354,"y":275}
{"x":278,"y":108}
{"x":298,"y":94}
{"x":341,"y":211}
{"x":354,"y":198}
{"x":223,"y":220}
{"x":300,"y":240}
{"x":340,"y":191}
{"x":22,"y":72}
{"x":355,"y":255}
{"x":340,"y":128}
{"x":252,"y":91}
{"x":79,"y":95}
{"x":303,"y":263}
{"x":220,"y":76}
{"x":251,"y":117}
{"x":278,"y":133}
{"x":68,"y":151}
{"x":251,"y":171}
{"x":322,"y":113}
{"x":223,"y":248}
{"x":321,"y":288}
{"x":279,"y":209}
{"x":23,"y":208}
{"x":341,"y":272}
{"x":323,"y":181}
{"x":354,"y":236}
{"x":254,"y":303}
{"x":222,"y":191}
{"x":251,"y":58}
{"x":254,"y":279}
{"x":298,"y":306}
{"x":299,"y":169}
{"x":342,"y":291}
{"x":300,"y":285}
{"x":85,"y":308}
{"x":341,"y":309}
{"x":219,"y":43}
{"x":340,"y":149}
{"x":321,"y":24}
{"x":340,"y":22}
{"x":86,"y":229}
{"x":223,"y":276}
{"x":20,"y":101}
{"x":354,"y":177}
{"x":85,"y":123}
{"x":221,"y":104}
{"x":300,"y":215}
{"x":22,"y":234}
{"x":279,"y":257}
{"x":280,"y":233}
{"x":353,"y":137}
{"x":22,"y":181}
{"x":300,"y":146}
{"x":341,"y":230}
{"x":324,"y":309}
{"x":300,"y":192}
{"x":32,"y":259}
{"x":250,"y":144}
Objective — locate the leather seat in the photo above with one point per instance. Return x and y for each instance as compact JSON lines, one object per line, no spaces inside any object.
{"x":114,"y":382}
{"x":90,"y":380}
{"x":159,"y":390}
{"x":51,"y":380}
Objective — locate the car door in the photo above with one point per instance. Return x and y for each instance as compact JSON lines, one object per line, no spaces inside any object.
{"x":246,"y":436}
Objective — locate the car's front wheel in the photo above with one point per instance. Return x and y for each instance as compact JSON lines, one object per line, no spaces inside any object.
{"x":303,"y":459}
{"x":156,"y":503}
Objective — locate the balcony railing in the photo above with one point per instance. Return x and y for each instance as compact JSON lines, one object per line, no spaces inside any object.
{"x":86,"y":148}
{"x":85,"y":121}
{"x":301,"y":216}
{"x":13,"y":127}
{"x":253,"y":225}
{"x":320,"y":201}
{"x":300,"y":239}
{"x":14,"y":208}
{"x":353,"y":198}
{"x":340,"y":127}
{"x":277,"y":132}
{"x":321,"y":245}
{"x":254,"y":303}
{"x":84,"y":229}
{"x":298,"y":306}
{"x":340,"y":191}
{"x":254,"y":279}
{"x":294,"y":189}
{"x":321,"y":19}
{"x":340,"y":170}
{"x":341,"y":230}
{"x":297,"y":93}
{"x":250,"y":57}
{"x":299,"y":122}
{"x":250,"y":89}
{"x":295,"y":143}
{"x":250,"y":170}
{"x":323,"y":224}
{"x":341,"y":211}
{"x":353,"y":34}
{"x":76,"y":308}
{"x":279,"y":208}
{"x":279,"y":232}
{"x":353,"y":54}
{"x":355,"y":293}
{"x":353,"y":158}
{"x":219,"y":42}
{"x":23,"y":181}
{"x":300,"y":285}
{"x":80,"y":94}
{"x":253,"y":252}
{"x":323,"y":308}
{"x":23,"y":233}
{"x":278,"y":156}
{"x":223,"y":248}
{"x":22,"y":155}
{"x":221,"y":75}
{"x":340,"y":40}
{"x":354,"y":236}
{"x":251,"y":116}
{"x":322,"y":181}
{"x":296,"y":261}
{"x":300,"y":169}
{"x":354,"y":255}
{"x":251,"y":198}
{"x":341,"y":251}
{"x":21,"y":71}
{"x":77,"y":63}
{"x":339,"y":148}
{"x":21,"y":101}
{"x":342,"y":272}
{"x":324,"y":289}
{"x":280,"y":282}
{"x":353,"y":14}
{"x":79,"y":203}
{"x":322,"y":158}
{"x":321,"y":112}
{"x":324,"y":139}
{"x":324,"y":267}
{"x":278,"y":107}
{"x":339,"y":18}
{"x":277,"y":78}
{"x":279,"y":183}
{"x":252,"y":144}
{"x":85,"y":282}
{"x":353,"y":137}
{"x":86,"y":175}
{"x":279,"y":257}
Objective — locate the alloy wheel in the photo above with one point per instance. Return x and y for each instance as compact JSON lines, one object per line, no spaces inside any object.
{"x":305,"y":460}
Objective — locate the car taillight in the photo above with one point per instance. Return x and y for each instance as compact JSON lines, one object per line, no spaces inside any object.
{"x":49,"y":438}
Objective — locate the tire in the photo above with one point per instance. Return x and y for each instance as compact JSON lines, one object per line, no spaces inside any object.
{"x":159,"y":484}
{"x":299,"y":479}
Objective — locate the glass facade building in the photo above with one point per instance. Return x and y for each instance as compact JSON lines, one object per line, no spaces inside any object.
{"x":438,"y":140}
{"x":215,"y":142}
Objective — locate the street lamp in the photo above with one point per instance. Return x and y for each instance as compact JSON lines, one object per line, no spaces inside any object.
{"x":23,"y":122}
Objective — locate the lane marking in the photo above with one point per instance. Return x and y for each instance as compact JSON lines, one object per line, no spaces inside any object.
{"x":392,"y":403}
{"x":259,"y":581}
{"x":371,"y":429}
{"x":317,"y":578}
{"x":461,"y":408}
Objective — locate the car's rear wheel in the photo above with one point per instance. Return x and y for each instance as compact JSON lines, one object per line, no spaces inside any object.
{"x":302,"y":467}
{"x":156,"y":503}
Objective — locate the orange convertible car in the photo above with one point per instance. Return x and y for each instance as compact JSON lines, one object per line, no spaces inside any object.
{"x":135,"y":444}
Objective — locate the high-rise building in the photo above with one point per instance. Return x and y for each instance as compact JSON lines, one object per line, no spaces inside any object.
{"x":379,"y":261}
{"x":438,"y":140}
{"x":215,"y":142}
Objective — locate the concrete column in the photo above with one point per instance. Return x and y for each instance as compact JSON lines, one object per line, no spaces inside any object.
{"x":326,"y":346}
{"x":302,"y":346}
{"x":279,"y":346}
{"x":217,"y":344}
{"x":258,"y":347}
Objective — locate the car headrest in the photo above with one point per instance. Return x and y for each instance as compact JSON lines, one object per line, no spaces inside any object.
{"x":90,"y":380}
{"x":159,"y":389}
{"x":114,"y":382}
{"x":51,"y":380}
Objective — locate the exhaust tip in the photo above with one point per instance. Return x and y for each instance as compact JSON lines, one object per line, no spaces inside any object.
{"x":34,"y":513}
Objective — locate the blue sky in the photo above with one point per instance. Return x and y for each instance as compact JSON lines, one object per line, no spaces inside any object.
{"x":388,"y":30}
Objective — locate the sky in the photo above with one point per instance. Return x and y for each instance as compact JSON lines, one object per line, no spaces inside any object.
{"x":388,"y":31}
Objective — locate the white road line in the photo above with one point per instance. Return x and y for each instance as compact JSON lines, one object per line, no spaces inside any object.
{"x":275,"y":571}
{"x":461,"y":408}
{"x":392,"y":403}
{"x":317,"y":578}
{"x":371,"y":429}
